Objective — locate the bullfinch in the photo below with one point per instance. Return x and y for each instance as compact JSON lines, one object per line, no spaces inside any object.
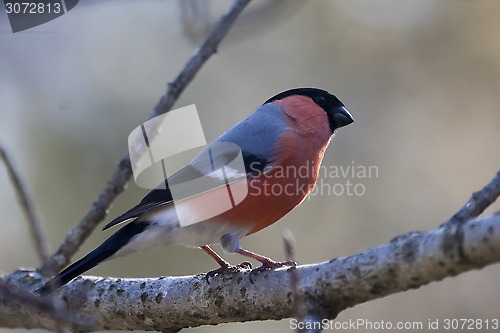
{"x":289,"y":132}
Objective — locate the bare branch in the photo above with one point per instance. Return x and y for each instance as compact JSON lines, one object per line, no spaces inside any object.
{"x":38,"y":306}
{"x":27,"y":206}
{"x":289,"y":242}
{"x":310,"y":316}
{"x":479,"y":201}
{"x":123,"y":172}
{"x":169,"y":303}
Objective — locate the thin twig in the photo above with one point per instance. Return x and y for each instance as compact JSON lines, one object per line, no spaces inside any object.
{"x":478,"y":202}
{"x":123,"y":172}
{"x":26,"y":205}
{"x":298,"y":310}
{"x":40,"y":244}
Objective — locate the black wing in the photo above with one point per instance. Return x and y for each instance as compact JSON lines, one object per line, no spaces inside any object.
{"x":154,"y":199}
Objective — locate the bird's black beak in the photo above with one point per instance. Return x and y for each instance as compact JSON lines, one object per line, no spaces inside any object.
{"x":340,"y":117}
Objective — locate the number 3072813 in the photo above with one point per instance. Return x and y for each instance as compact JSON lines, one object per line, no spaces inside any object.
{"x":32,"y":8}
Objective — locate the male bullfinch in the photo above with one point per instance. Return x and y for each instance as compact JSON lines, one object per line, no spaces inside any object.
{"x":289,"y":132}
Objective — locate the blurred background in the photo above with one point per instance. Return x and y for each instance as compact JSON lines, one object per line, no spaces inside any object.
{"x":421,"y":78}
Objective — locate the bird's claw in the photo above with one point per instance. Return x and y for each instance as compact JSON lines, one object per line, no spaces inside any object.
{"x":244,"y":265}
{"x":270,"y":265}
{"x":227,"y":269}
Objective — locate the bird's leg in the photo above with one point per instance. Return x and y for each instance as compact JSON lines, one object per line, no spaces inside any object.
{"x":224,"y":265}
{"x":267,"y":263}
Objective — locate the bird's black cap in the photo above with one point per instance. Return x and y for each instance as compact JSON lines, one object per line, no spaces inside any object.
{"x":338,"y":116}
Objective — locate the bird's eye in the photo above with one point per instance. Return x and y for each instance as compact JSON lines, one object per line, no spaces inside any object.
{"x":320,"y":100}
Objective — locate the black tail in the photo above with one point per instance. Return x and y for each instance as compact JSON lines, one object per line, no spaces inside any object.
{"x":81,"y":266}
{"x":103,"y":252}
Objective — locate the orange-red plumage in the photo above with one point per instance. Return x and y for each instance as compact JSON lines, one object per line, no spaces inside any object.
{"x":272,"y":194}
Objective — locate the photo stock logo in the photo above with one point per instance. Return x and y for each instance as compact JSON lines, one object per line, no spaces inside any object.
{"x":27,"y":14}
{"x":164,"y":141}
{"x":344,"y":180}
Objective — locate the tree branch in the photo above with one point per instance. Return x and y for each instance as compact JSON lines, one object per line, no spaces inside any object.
{"x":18,"y":297}
{"x":170,"y":303}
{"x":478,"y":202}
{"x":297,"y":302}
{"x":27,"y":206}
{"x":123,"y":172}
